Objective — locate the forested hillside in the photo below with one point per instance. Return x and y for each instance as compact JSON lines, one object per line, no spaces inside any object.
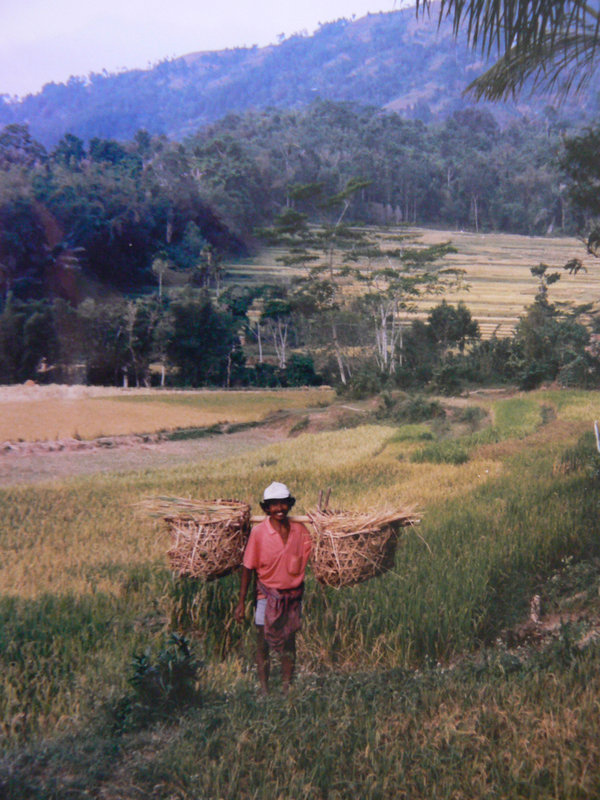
{"x":389,"y":60}
{"x":113,"y":254}
{"x":112,"y":208}
{"x":120,"y":214}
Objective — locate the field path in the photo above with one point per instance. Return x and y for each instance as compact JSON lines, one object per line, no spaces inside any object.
{"x":37,"y":442}
{"x":32,"y":467}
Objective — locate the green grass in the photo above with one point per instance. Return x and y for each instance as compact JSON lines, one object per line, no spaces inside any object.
{"x":85,"y":588}
{"x":446,"y":452}
{"x":380,"y":734}
{"x":514,"y":418}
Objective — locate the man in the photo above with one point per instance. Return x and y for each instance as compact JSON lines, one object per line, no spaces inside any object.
{"x":278,"y":551}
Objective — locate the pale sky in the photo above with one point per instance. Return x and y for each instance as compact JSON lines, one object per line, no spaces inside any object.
{"x":50,"y":40}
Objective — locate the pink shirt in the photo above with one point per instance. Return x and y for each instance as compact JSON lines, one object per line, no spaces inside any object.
{"x":278,"y":566}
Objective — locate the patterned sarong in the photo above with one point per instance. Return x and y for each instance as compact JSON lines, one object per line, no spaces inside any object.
{"x":283,"y":615}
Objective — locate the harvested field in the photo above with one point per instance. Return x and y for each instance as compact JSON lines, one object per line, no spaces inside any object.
{"x":497,"y":273}
{"x":41,"y":413}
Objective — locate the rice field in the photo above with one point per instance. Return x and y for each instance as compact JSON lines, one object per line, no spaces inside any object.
{"x":497,"y":272}
{"x":400,"y":691}
{"x":499,"y":284}
{"x":41,"y":413}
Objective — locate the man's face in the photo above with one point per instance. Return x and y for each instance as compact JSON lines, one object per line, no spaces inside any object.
{"x":279,"y":509}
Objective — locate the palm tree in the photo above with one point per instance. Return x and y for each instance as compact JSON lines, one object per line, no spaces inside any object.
{"x":549,"y":44}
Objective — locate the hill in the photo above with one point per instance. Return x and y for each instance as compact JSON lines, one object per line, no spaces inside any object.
{"x":390,"y":60}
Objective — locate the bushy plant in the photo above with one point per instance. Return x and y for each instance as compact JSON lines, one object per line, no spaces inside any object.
{"x":409,"y":408}
{"x":364,"y":382}
{"x":448,"y":378}
{"x":471,"y":415}
{"x":161,"y":685}
{"x":300,"y":371}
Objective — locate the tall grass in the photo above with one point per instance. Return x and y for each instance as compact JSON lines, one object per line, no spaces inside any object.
{"x":513,"y":418}
{"x":84,"y":587}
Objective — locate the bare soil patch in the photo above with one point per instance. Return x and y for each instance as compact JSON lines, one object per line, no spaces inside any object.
{"x":34,"y":463}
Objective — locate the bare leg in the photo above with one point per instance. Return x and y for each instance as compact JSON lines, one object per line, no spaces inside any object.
{"x":288,"y":663}
{"x":263,"y":661}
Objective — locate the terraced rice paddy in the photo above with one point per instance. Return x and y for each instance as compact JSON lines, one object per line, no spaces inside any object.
{"x":497,"y":273}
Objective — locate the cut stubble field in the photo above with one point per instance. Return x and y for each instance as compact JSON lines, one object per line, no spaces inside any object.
{"x":43,"y":413}
{"x":498,"y":282}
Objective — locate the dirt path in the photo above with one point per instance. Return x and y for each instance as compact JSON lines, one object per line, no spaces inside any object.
{"x":37,"y":461}
{"x":31,"y":466}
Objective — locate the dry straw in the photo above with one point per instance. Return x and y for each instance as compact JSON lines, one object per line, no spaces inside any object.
{"x":350,"y":547}
{"x":207,"y":537}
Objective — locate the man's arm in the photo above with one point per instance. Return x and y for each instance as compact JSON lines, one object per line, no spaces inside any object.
{"x":241,"y":606}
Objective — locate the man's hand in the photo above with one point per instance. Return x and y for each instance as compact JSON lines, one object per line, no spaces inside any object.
{"x":240,"y":611}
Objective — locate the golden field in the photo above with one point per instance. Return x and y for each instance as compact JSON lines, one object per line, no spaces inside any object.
{"x":41,"y":413}
{"x":498,"y":281}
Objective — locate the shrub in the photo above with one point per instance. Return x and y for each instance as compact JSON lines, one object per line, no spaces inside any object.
{"x":265,"y":375}
{"x":471,"y":415}
{"x":447,"y":379}
{"x":160,"y":686}
{"x":533,"y":376}
{"x":300,"y":371}
{"x":364,"y":382}
{"x":409,"y":408}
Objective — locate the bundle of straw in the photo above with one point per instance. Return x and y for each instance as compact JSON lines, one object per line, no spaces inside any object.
{"x":207,"y":537}
{"x":350,"y":547}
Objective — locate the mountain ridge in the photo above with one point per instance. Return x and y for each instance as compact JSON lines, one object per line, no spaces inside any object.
{"x":392,"y":60}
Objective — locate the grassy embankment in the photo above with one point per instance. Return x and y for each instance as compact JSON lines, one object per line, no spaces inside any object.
{"x":84,"y":587}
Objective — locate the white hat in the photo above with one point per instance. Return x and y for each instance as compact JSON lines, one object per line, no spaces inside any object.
{"x":276,"y":491}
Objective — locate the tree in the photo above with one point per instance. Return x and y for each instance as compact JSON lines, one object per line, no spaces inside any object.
{"x":18,"y":148}
{"x":160,"y":266}
{"x":104,"y":341}
{"x":392,"y":285}
{"x":452,"y":325}
{"x":276,"y":317}
{"x":581,"y":163}
{"x":552,"y":43}
{"x":203,"y":341}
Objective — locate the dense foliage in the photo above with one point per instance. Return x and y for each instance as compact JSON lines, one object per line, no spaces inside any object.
{"x":111,"y":253}
{"x":124,"y":214}
{"x":98,"y":216}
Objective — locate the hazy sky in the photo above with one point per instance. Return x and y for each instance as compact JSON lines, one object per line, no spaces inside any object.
{"x":49,"y":40}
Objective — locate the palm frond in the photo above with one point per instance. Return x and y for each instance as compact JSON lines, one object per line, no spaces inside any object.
{"x":562,"y":64}
{"x":553,"y":42}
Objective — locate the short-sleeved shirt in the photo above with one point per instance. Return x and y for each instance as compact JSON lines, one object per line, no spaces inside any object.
{"x":278,"y":566}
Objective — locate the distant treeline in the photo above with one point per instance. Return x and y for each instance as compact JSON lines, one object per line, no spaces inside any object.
{"x":388,"y":60}
{"x":185,"y":340}
{"x":105,"y":211}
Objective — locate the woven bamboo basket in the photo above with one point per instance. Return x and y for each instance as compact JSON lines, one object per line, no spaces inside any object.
{"x":207,"y":538}
{"x":351,"y":547}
